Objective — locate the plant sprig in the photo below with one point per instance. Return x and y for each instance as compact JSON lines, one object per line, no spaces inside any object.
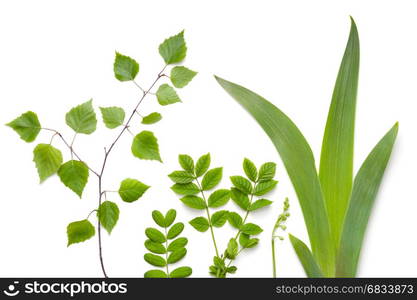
{"x":166,"y":243}
{"x":83,"y":120}
{"x":195,"y":180}
{"x":279,"y":225}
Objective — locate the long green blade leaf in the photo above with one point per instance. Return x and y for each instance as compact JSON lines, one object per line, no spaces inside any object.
{"x":365,"y":189}
{"x":306,"y":258}
{"x":299,"y":162}
{"x":336,"y":163}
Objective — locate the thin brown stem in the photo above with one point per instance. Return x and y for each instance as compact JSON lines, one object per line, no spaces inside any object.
{"x":107,"y":152}
{"x":69,"y":146}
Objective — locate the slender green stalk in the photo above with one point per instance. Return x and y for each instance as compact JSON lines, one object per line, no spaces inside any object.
{"x":279,"y":224}
{"x":166,"y":253}
{"x":208,"y":217}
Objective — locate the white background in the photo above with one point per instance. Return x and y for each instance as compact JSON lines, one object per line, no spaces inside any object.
{"x":57,"y":54}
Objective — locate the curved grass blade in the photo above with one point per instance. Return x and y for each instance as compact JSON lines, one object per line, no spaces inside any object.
{"x":336,"y":163}
{"x":298,"y":159}
{"x":365,"y":189}
{"x":306,"y":258}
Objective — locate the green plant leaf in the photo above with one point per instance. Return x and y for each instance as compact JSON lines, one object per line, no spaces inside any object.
{"x":181,"y":76}
{"x":306,"y":258}
{"x":232,"y":249}
{"x":177,"y":244}
{"x":240,"y":198}
{"x":194,"y":202}
{"x":155,"y":274}
{"x":155,"y":235}
{"x":145,"y":146}
{"x":299,"y":162}
{"x":131,"y":189}
{"x":219,"y":218}
{"x":79,"y":231}
{"x":250,"y":169}
{"x":218,"y":198}
{"x":235,"y":219}
{"x":108,"y":214}
{"x":167,"y":95}
{"x":112,"y":116}
{"x":47,"y":159}
{"x":267,"y":171}
{"x":170,"y":217}
{"x":152,"y":118}
{"x":173,"y":49}
{"x":74,"y":175}
{"x":175,"y":230}
{"x":264,"y":187}
{"x":176,"y":255}
{"x":181,"y":177}
{"x":181,"y":272}
{"x":185,"y":189}
{"x":251,"y":229}
{"x":259,"y":204}
{"x":202,"y":165}
{"x":365,"y":189}
{"x":242,"y":184}
{"x":27,"y":126}
{"x":200,"y":224}
{"x":155,"y":247}
{"x":125,"y":68}
{"x":155,"y":260}
{"x":82,"y":118}
{"x":158,"y":218}
{"x":211,"y":178}
{"x":246,"y":242}
{"x":336,"y":163}
{"x":186,"y":162}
